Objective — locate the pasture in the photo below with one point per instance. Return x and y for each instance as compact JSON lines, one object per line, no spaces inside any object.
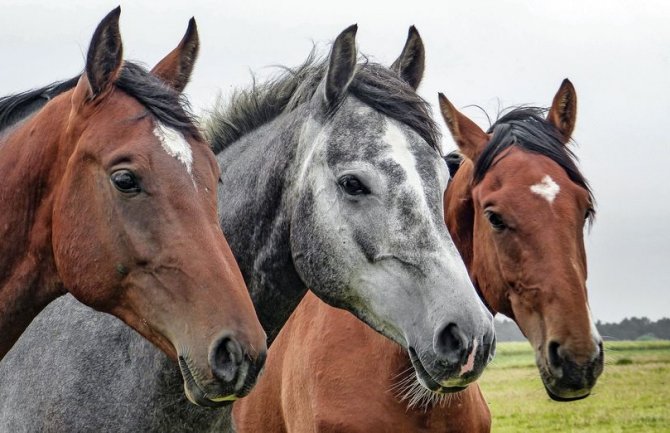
{"x":632,"y":395}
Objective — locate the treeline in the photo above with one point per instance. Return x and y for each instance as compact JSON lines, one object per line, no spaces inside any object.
{"x":634,"y":328}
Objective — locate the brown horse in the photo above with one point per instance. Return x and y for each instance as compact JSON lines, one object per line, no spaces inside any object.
{"x":109,"y":193}
{"x":516,"y":209}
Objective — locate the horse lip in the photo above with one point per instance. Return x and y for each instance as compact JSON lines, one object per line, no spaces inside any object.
{"x":562,"y":396}
{"x":196,"y":394}
{"x":253,"y":373}
{"x":427,"y":380}
{"x":556,"y":397}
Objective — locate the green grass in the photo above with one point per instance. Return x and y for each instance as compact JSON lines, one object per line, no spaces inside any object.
{"x":632,"y":395}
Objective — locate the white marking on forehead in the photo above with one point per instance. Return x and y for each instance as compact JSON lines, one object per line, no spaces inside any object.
{"x":547,"y":189}
{"x":395,"y":137}
{"x":401,"y":154}
{"x":175,"y":145}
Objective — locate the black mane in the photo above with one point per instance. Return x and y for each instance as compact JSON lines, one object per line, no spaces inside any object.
{"x":526,"y":128}
{"x":14,"y":108}
{"x":373,"y":84}
{"x":165,"y":104}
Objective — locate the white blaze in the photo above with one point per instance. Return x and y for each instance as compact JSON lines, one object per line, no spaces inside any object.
{"x":401,"y":154}
{"x":547,"y":189}
{"x":395,"y":137}
{"x":175,"y":145}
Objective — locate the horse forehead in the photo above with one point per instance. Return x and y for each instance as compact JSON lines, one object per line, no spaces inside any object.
{"x":356,"y":134}
{"x":538,"y":174}
{"x":547,"y":188}
{"x":406,"y":149}
{"x":175,"y":144}
{"x":361,"y":133}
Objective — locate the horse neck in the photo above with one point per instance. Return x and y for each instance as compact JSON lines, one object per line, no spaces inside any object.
{"x":31,"y":167}
{"x":255,"y":208}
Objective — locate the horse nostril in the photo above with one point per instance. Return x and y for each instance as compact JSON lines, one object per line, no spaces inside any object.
{"x":450,"y":344}
{"x":225,"y":358}
{"x":555,"y":359}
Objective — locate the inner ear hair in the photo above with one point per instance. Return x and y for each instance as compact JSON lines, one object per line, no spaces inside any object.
{"x":563,"y":111}
{"x":176,"y":68}
{"x":341,"y":65}
{"x":469,"y":137}
{"x":105,"y":54}
{"x":411,"y":62}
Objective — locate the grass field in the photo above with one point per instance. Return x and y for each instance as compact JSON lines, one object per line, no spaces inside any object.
{"x":632,"y":395}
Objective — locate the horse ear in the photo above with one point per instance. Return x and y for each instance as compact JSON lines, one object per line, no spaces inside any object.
{"x":469,"y":137}
{"x":341,"y":65}
{"x":411,"y":62}
{"x":563,"y":112}
{"x":105,"y":53}
{"x":176,"y":68}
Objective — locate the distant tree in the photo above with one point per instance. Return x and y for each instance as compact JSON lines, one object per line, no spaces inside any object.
{"x":634,"y":328}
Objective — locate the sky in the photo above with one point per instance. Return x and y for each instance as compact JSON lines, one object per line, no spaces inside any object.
{"x":489,"y":53}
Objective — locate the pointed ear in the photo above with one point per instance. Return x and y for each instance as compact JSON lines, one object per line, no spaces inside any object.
{"x":469,"y":137}
{"x":563,"y":112}
{"x":105,"y":54}
{"x":411,"y":63}
{"x":176,"y":68}
{"x":341,"y":65}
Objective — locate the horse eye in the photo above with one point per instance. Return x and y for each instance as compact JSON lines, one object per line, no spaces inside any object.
{"x":495,"y":220}
{"x":352,"y":185}
{"x":125,"y":181}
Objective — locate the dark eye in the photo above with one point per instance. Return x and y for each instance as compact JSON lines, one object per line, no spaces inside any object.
{"x":495,"y":220}
{"x":125,"y":181}
{"x":352,"y":185}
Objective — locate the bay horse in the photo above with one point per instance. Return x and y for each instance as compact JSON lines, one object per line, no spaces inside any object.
{"x":516,"y":209}
{"x":331,"y":179}
{"x":109,"y":193}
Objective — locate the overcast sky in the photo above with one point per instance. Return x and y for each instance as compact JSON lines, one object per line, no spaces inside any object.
{"x":490,"y":53}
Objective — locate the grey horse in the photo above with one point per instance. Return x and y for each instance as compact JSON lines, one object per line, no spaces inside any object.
{"x":331,"y":179}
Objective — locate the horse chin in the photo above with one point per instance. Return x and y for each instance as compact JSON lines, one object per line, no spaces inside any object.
{"x":427,"y":381}
{"x":558,"y":393}
{"x":194,"y":392}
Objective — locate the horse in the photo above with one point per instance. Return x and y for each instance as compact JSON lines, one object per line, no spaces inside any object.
{"x":109,"y":194}
{"x":331,"y":178}
{"x":516,"y":209}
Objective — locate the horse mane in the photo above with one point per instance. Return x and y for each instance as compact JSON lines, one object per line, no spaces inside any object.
{"x":526,"y":128}
{"x":165,"y":104}
{"x":16,"y":107}
{"x":375,"y":85}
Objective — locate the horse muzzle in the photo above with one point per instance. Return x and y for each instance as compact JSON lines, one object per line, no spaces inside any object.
{"x":454,"y":369}
{"x":233,"y":374}
{"x":566,"y":380}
